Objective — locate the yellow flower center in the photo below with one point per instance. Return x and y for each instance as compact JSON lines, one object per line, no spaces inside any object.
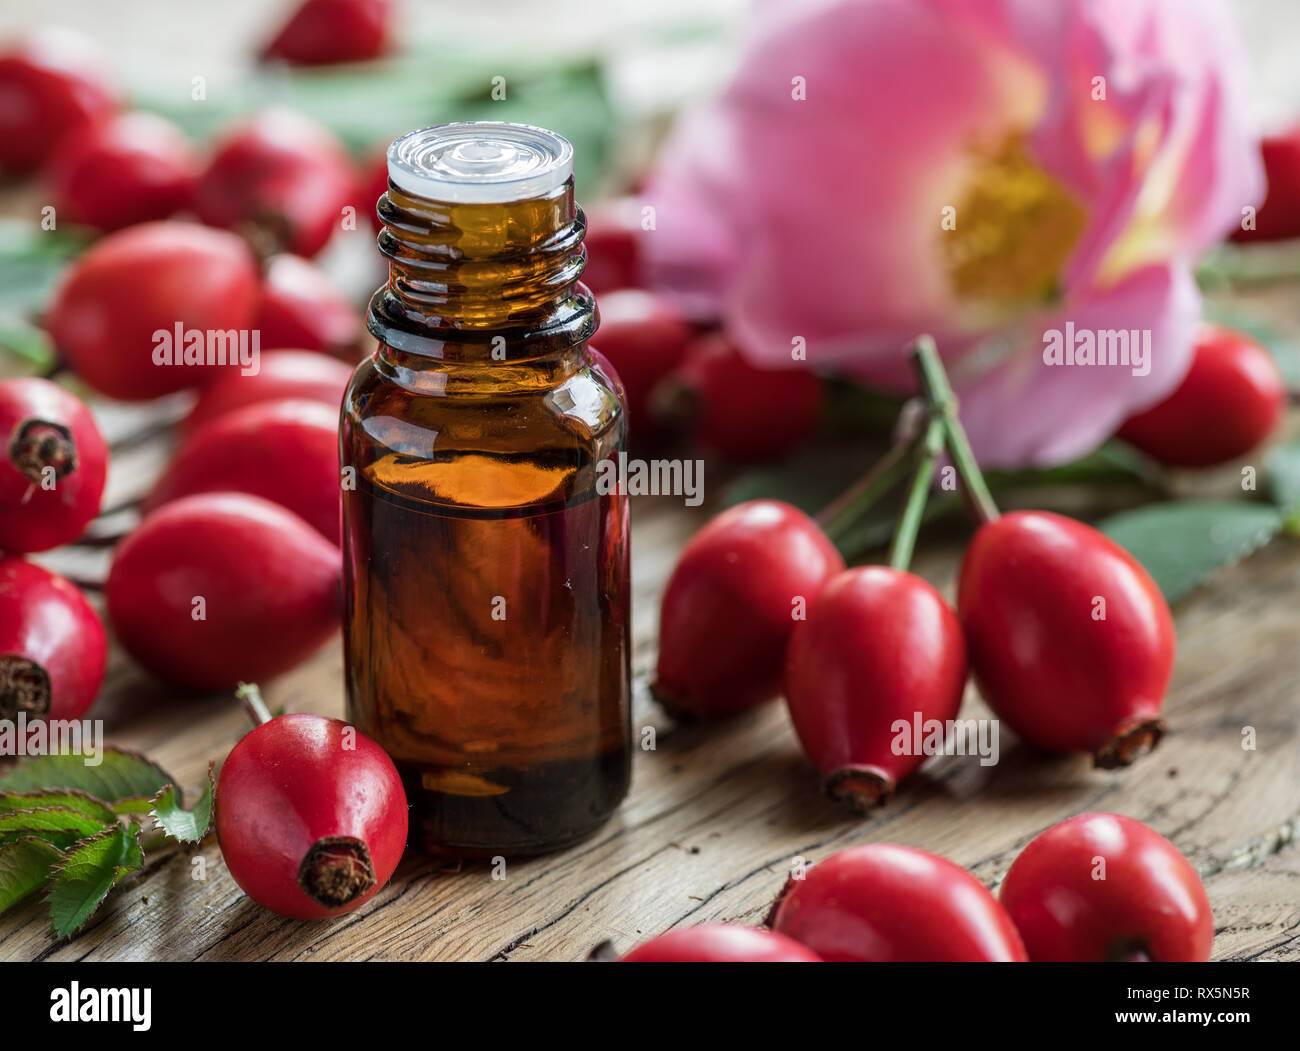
{"x":1015,"y":227}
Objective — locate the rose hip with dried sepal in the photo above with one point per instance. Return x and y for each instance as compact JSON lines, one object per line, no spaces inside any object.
{"x":53,"y":646}
{"x":731,"y":604}
{"x":311,"y":814}
{"x":880,"y":645}
{"x":887,"y":903}
{"x":284,"y":451}
{"x":148,"y":279}
{"x":1069,"y":638}
{"x":1102,"y":887}
{"x":218,"y":588}
{"x":53,"y":462}
{"x":721,"y":943}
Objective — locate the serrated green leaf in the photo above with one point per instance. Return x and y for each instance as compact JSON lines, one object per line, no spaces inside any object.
{"x":1282,"y":475}
{"x":1183,"y":543}
{"x":188,"y":826}
{"x":122,"y":776}
{"x":50,"y":819}
{"x":87,"y":804}
{"x":61,"y":839}
{"x":26,"y":865}
{"x":85,"y":875}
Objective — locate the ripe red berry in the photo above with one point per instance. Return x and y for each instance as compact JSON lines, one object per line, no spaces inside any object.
{"x":743,"y":412}
{"x":879,"y":646}
{"x":323,"y":32}
{"x":300,"y":307}
{"x":284,"y":451}
{"x":311,"y":816}
{"x":1070,"y":640}
{"x":52,"y":82}
{"x":735,"y":596}
{"x":1105,"y":887}
{"x":282,"y":179}
{"x":119,"y":306}
{"x":1278,"y":218}
{"x":721,"y":943}
{"x":886,"y":903}
{"x":52,"y":644}
{"x":219,"y":588}
{"x":613,"y":246}
{"x":282,"y":374}
{"x":132,"y":168}
{"x":645,"y":338}
{"x":52,"y":466}
{"x":1231,"y":399}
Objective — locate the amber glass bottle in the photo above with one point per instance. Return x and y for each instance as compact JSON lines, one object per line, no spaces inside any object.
{"x":485,"y":570}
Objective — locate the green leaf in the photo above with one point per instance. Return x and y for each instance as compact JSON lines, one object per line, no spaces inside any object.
{"x":50,"y":819}
{"x":188,"y":826}
{"x":126,"y":780}
{"x":86,"y":804}
{"x":1282,"y":474}
{"x":83,"y":878}
{"x":25,"y":865}
{"x":1182,"y":543}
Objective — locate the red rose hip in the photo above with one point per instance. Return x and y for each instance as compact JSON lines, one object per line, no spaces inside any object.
{"x":645,"y":338}
{"x":323,"y":32}
{"x":299,"y":374}
{"x":1069,"y":638}
{"x":880,"y":648}
{"x":219,"y":588}
{"x":116,"y":313}
{"x":731,"y":604}
{"x":299,"y":307}
{"x":52,"y":82}
{"x":53,"y":462}
{"x":721,"y":943}
{"x":133,"y":168}
{"x":52,"y":644}
{"x":311,"y":816}
{"x":1231,"y":399}
{"x":1105,"y":887}
{"x":886,"y":903}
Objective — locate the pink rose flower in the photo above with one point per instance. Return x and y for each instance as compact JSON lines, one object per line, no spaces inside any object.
{"x":983,"y":170}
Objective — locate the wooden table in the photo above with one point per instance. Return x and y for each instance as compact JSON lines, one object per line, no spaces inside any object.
{"x":718,"y":814}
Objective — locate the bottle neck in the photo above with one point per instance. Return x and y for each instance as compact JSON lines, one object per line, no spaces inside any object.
{"x":490,"y":283}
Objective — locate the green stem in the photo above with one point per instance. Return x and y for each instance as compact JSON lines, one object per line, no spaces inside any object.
{"x":909,"y":522}
{"x":841,"y":513}
{"x":934,"y":381}
{"x":251,"y":697}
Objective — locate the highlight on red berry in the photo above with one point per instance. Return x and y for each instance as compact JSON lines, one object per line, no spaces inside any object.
{"x":1230,"y":401}
{"x":53,"y":463}
{"x":1104,"y":887}
{"x":53,"y":646}
{"x":325,"y":32}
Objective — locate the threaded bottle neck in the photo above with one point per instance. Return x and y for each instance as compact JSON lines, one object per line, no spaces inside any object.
{"x":467,"y":278}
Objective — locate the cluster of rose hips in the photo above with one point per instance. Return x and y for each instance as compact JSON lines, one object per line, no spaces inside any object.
{"x":1096,"y":887}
